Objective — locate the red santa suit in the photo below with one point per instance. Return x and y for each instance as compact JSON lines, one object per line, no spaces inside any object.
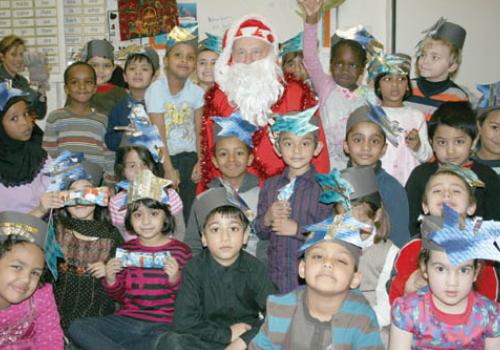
{"x":297,"y":96}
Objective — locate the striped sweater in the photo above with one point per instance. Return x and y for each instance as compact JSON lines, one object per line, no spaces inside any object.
{"x":354,"y":326}
{"x":65,"y":130}
{"x":145,"y":293}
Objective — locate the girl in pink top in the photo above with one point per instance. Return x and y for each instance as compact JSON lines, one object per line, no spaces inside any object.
{"x":129,"y":161}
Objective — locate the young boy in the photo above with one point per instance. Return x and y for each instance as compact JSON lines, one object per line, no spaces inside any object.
{"x":365,"y":143}
{"x":231,"y":156}
{"x":100,"y":55}
{"x":223,"y":290}
{"x":140,"y":69}
{"x":290,"y":200}
{"x":174,"y":104}
{"x":329,"y":313}
{"x":452,"y":131}
{"x":438,"y":59}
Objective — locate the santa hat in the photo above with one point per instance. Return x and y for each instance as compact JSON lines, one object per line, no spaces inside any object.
{"x":249,"y":26}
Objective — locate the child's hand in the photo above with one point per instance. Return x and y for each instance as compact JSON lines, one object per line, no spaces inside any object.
{"x":171,"y":268}
{"x":278,"y":210}
{"x":112,"y":268}
{"x":196,"y":174}
{"x":312,"y":9}
{"x":237,"y":344}
{"x":285,"y":227}
{"x":413,"y":140}
{"x":172,"y":174}
{"x":50,"y":200}
{"x":97,"y":270}
{"x":415,"y":282}
{"x":238,"y":329}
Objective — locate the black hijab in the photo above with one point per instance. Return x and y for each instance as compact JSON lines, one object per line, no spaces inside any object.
{"x":20,"y":161}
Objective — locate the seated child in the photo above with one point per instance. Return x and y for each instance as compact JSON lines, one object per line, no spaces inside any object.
{"x":209,"y":50}
{"x":449,"y":314}
{"x":232,"y":155}
{"x":143,"y":277}
{"x":140,"y":69}
{"x":452,"y":131}
{"x":28,"y":312}
{"x":338,"y":91}
{"x":438,"y":59}
{"x":290,"y":200}
{"x":391,"y":76}
{"x":99,"y":54}
{"x":224,"y":289}
{"x":454,"y":186}
{"x":365,"y":143}
{"x":330,"y":312}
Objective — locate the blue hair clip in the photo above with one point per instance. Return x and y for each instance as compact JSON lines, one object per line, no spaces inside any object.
{"x":491,"y":95}
{"x":7,"y":92}
{"x":467,"y":239}
{"x":297,"y":123}
{"x":235,"y":125}
{"x":336,"y":189}
{"x":295,"y":44}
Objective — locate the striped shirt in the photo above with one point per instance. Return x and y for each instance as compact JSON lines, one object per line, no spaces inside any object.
{"x":65,"y":130}
{"x":428,"y":96}
{"x":145,"y":293}
{"x":306,"y":210}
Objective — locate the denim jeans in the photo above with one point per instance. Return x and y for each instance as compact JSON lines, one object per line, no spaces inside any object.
{"x":116,"y":332}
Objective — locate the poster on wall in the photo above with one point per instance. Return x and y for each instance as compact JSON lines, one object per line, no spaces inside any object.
{"x":146,"y":18}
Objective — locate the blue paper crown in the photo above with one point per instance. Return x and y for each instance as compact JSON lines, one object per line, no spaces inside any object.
{"x":179,"y":34}
{"x":336,"y":189}
{"x":466,"y":174}
{"x":236,"y":126}
{"x":7,"y":92}
{"x":389,"y":63}
{"x":342,"y":227}
{"x":391,"y":128}
{"x":491,"y":95}
{"x":363,"y":37}
{"x":295,"y":44}
{"x":468,"y":239}
{"x":145,"y":185}
{"x":297,"y":123}
{"x":212,"y":43}
{"x":65,"y":169}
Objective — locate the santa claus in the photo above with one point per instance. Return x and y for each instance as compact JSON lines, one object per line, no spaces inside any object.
{"x":249,"y":79}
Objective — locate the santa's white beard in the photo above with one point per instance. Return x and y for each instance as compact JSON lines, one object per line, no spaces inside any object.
{"x":253,"y":87}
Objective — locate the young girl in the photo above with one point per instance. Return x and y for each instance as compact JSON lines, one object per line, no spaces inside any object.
{"x":174,"y":104}
{"x":488,"y":152}
{"x":88,"y":241}
{"x":99,"y":54}
{"x":28,"y":312}
{"x":22,"y":159}
{"x":391,"y":76}
{"x":78,"y":127}
{"x":339,"y":93}
{"x":130,"y":160}
{"x":12,"y":50}
{"x":208,"y":52}
{"x":448,"y":314}
{"x":144,"y":280}
{"x":450,"y":186}
{"x":292,"y":57}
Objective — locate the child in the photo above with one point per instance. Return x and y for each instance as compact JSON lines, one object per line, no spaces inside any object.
{"x":144,"y":279}
{"x":449,"y":314}
{"x":292,"y":57}
{"x":231,"y":156}
{"x":99,"y":54}
{"x":28,"y":312}
{"x":208,"y":52}
{"x":77,"y":127}
{"x":365,"y":144}
{"x":290,"y":200}
{"x":130,"y":160}
{"x":454,"y":186}
{"x":488,"y":124}
{"x":339,"y":93}
{"x":87,"y":241}
{"x":330,"y":312}
{"x":22,"y":158}
{"x":438,"y":58}
{"x":391,"y":76}
{"x":224,"y":289}
{"x":140,"y":69}
{"x":174,"y":104}
{"x":452,"y":131}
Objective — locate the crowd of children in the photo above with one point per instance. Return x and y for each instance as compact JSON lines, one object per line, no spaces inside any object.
{"x":175,"y":211}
